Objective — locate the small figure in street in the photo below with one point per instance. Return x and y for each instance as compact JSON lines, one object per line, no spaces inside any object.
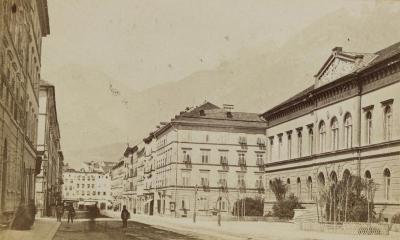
{"x":71,"y":213}
{"x":59,"y":212}
{"x":93,"y":212}
{"x":125,"y":215}
{"x":32,"y":210}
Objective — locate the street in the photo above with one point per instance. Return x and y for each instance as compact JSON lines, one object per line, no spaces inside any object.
{"x":105,"y":230}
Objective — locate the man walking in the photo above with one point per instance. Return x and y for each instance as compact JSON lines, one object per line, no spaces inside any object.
{"x":71,"y":213}
{"x":125,"y":216}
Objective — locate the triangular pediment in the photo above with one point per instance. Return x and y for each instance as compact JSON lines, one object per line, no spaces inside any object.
{"x":339,"y":64}
{"x":336,"y":66}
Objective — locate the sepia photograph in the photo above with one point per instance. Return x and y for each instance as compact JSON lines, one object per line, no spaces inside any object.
{"x":199,"y":119}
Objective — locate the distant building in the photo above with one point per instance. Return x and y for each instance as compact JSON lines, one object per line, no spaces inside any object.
{"x":49,"y":180}
{"x":214,"y":151}
{"x":87,"y":186}
{"x":117,"y":174}
{"x":23,"y":24}
{"x":347,"y":122}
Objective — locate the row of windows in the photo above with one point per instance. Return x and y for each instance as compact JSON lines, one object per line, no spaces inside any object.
{"x":88,"y":193}
{"x":332,"y":133}
{"x":223,"y":157}
{"x":386,"y":183}
{"x":222,"y":182}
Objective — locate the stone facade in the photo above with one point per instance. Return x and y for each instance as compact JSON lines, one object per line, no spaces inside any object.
{"x":22,"y":26}
{"x":87,"y":186}
{"x":49,"y":180}
{"x":206,"y":157}
{"x":347,"y":122}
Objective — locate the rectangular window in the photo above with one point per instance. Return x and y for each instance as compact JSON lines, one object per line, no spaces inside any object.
{"x":185,"y":178}
{"x":204,"y":179}
{"x":241,"y":181}
{"x":205,"y":156}
{"x":223,"y":183}
{"x":242,"y":159}
{"x":260,"y":159}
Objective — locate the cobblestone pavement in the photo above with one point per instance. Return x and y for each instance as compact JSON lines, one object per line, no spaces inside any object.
{"x":105,"y":230}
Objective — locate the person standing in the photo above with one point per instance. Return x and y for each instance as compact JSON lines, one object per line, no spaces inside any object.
{"x":71,"y":213}
{"x":125,"y":216}
{"x":59,"y":212}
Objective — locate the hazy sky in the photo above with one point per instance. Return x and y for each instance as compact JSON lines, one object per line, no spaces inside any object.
{"x":144,"y":43}
{"x":151,"y":42}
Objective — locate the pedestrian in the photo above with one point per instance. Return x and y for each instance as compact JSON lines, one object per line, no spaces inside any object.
{"x":32,"y":210}
{"x":71,"y":213}
{"x":93,"y":213}
{"x":125,"y":215}
{"x":59,"y":212}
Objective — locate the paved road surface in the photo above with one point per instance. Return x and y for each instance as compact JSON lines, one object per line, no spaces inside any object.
{"x":112,"y":230}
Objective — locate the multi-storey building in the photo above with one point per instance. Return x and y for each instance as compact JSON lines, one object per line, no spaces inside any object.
{"x":49,"y":180}
{"x":347,"y":122}
{"x":117,"y":174}
{"x":86,"y":187}
{"x":22,"y":26}
{"x":204,"y":156}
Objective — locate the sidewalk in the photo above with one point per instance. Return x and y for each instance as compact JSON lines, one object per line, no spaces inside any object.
{"x":246,"y":230}
{"x":43,"y":229}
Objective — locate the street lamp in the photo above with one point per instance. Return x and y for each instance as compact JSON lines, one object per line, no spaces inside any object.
{"x":195,"y":201}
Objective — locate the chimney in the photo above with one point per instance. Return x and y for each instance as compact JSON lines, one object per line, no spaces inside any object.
{"x":336,"y":50}
{"x":228,"y":108}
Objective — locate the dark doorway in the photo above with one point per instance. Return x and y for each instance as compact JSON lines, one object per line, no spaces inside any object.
{"x":151,"y":207}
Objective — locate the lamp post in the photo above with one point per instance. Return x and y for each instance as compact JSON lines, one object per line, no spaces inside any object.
{"x":195,"y":202}
{"x":219,"y":210}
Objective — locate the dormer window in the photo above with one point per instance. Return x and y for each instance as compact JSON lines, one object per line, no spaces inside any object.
{"x":202,"y":113}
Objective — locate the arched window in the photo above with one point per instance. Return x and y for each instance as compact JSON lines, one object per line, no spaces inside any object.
{"x":386,"y":183}
{"x":311,"y":141}
{"x":369,"y":127}
{"x":322,"y":136}
{"x":367,"y":175}
{"x":333,"y":177}
{"x":298,"y":188}
{"x":346,"y":175}
{"x":321,"y":180}
{"x":288,"y":185}
{"x":348,"y":131}
{"x":335,"y":133}
{"x":309,"y":188}
{"x":387,"y":127}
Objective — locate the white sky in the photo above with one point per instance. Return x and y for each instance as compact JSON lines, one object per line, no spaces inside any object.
{"x":144,"y":43}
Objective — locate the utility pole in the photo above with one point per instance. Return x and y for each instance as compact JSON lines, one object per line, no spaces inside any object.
{"x":195,"y":202}
{"x":219,"y":211}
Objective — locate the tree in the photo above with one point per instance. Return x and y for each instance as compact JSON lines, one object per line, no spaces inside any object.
{"x":278,"y":188}
{"x":284,"y":206}
{"x":350,"y":199}
{"x":252,"y":207}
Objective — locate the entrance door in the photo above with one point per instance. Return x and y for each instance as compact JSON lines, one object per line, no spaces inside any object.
{"x":151,"y":207}
{"x":158,"y":206}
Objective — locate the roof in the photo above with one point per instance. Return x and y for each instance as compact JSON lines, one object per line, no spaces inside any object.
{"x":371,"y":60}
{"x":208,"y":113}
{"x":386,"y":53}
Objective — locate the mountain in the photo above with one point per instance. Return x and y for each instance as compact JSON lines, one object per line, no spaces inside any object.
{"x":255,"y":81}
